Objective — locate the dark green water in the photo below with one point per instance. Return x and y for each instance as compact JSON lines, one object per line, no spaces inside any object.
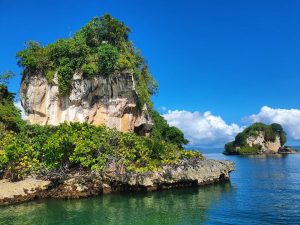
{"x":263,"y":190}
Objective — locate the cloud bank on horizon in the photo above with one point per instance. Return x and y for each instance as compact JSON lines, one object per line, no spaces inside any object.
{"x":288,"y":118}
{"x":202,"y":129}
{"x":208,"y":130}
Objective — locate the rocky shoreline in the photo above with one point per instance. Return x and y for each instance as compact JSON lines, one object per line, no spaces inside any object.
{"x":288,"y":150}
{"x":281,"y":151}
{"x":83,"y":183}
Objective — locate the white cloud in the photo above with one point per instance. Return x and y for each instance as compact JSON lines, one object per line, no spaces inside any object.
{"x":288,"y":118}
{"x":19,"y":106}
{"x":202,"y":129}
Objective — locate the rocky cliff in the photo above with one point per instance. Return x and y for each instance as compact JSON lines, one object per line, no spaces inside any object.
{"x":109,"y":100}
{"x":188,"y":172}
{"x":264,"y":145}
{"x":96,"y":76}
{"x":258,"y":138}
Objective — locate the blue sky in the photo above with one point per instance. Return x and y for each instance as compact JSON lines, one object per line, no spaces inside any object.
{"x":227,"y":57}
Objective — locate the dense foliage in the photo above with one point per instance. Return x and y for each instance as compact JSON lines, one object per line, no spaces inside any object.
{"x":240,"y":146}
{"x":10,"y":116}
{"x":100,"y":48}
{"x":163,"y":131}
{"x":26,"y":149}
{"x":39,"y":149}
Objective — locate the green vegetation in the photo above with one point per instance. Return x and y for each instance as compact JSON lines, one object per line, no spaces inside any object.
{"x":100,"y":48}
{"x":27,"y":149}
{"x":162,"y":131}
{"x":240,"y":146}
{"x":8,"y":112}
{"x":5,"y":77}
{"x":10,"y":116}
{"x":40,"y":149}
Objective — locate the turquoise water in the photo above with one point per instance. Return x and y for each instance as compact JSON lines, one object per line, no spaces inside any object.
{"x":263,"y":190}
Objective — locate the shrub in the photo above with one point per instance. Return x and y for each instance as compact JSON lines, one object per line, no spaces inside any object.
{"x":112,"y":30}
{"x":65,"y":76}
{"x":107,"y":56}
{"x":5,"y":139}
{"x":162,"y":131}
{"x":10,"y":115}
{"x":89,"y":70}
{"x":248,"y":150}
{"x":50,"y":75}
{"x":46,"y":148}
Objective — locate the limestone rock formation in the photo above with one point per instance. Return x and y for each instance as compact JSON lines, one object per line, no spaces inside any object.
{"x":110,"y":100}
{"x":188,"y":172}
{"x":265,"y":145}
{"x":258,"y":138}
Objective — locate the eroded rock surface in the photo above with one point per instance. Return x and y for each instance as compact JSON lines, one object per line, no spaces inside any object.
{"x":13,"y":192}
{"x":266,"y":146}
{"x":75,"y":184}
{"x":109,"y":100}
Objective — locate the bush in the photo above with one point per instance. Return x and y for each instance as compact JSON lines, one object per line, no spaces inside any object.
{"x":50,"y":75}
{"x":5,"y":139}
{"x":65,"y":76}
{"x":113,"y":31}
{"x":38,"y":149}
{"x":107,"y":59}
{"x":89,"y":70}
{"x":10,"y":115}
{"x":248,"y":150}
{"x":162,"y":131}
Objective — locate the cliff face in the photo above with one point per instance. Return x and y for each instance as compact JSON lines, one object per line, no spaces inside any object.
{"x":266,"y":146}
{"x":258,"y":138}
{"x":110,"y":100}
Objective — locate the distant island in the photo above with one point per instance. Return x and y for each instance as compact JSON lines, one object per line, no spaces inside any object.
{"x":259,"y":138}
{"x":91,"y":128}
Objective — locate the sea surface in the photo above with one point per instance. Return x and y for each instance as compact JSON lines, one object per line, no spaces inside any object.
{"x":262,"y":190}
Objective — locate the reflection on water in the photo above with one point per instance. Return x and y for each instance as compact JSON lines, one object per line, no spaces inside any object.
{"x":263,"y":190}
{"x":181,"y":206}
{"x":267,"y":191}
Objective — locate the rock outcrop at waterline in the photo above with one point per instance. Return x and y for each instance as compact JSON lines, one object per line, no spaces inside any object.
{"x":109,"y":100}
{"x":76,"y":184}
{"x":258,"y":138}
{"x":266,"y":146}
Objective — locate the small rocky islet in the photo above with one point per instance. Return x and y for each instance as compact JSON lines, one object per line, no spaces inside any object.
{"x":92,"y":128}
{"x":260,"y":138}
